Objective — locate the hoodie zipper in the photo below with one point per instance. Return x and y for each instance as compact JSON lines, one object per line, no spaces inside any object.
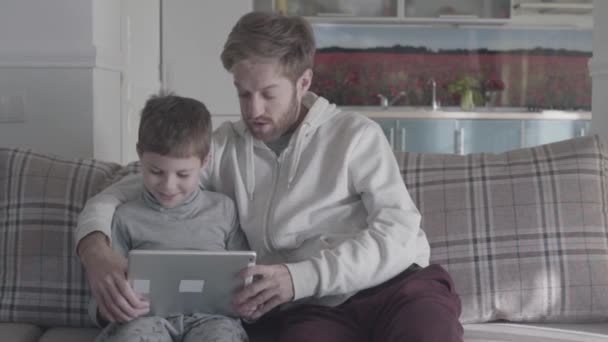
{"x":270,"y":245}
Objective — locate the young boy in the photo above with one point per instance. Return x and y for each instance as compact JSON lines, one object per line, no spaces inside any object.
{"x":172,"y":212}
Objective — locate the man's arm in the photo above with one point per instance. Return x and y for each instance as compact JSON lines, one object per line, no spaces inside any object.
{"x":97,"y":214}
{"x":106,"y":269}
{"x":236,"y":239}
{"x":392,"y":241}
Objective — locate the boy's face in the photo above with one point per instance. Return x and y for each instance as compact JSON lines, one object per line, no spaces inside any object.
{"x":270,"y":102}
{"x":170,"y":180}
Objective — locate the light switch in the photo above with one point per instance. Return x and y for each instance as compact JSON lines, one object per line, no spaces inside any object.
{"x":11,"y":108}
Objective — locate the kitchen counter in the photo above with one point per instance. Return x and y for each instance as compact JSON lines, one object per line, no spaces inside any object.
{"x":496,"y":113}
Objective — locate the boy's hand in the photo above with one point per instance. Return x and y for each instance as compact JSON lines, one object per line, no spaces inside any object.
{"x":106,"y":273}
{"x":272,"y":286}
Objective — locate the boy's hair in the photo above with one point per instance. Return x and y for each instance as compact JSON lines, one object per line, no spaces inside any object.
{"x":176,"y":126}
{"x":289,"y":39}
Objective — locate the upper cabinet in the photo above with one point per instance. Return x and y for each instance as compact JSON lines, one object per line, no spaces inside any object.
{"x":556,"y":13}
{"x":409,"y":11}
{"x":524,"y":12}
{"x":456,"y":10}
{"x":553,"y":6}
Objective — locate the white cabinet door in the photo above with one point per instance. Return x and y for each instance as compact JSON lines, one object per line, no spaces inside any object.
{"x":194,"y":33}
{"x":141,"y":48}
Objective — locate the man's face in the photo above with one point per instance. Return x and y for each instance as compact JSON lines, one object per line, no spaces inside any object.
{"x":170,"y":180}
{"x":270,"y":102}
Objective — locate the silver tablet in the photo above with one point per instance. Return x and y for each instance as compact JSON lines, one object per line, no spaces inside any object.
{"x":188,"y":281}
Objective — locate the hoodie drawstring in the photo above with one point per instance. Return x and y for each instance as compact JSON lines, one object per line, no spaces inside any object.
{"x":249,"y":167}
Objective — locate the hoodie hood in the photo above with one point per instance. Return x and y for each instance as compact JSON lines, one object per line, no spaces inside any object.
{"x":319,"y":112}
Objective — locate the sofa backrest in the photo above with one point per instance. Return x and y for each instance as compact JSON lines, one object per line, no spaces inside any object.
{"x":523,"y":233}
{"x":41,"y":278}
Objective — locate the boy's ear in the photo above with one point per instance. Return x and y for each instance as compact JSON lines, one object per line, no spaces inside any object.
{"x":206,"y":160}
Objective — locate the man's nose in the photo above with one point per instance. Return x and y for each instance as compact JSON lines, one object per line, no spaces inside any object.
{"x":255,"y":107}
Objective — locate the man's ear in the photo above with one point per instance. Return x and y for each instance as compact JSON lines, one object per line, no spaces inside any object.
{"x":303,"y":83}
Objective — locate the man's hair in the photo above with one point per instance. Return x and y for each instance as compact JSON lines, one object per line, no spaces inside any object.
{"x":176,"y":126}
{"x":289,"y":39}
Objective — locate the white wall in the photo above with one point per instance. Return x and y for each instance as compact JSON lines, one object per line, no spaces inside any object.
{"x":45,"y":58}
{"x":599,"y":69}
{"x":141,"y":46}
{"x":35,"y":23}
{"x":106,"y":97}
{"x":57,"y":106}
{"x":194,"y":33}
{"x":57,"y":57}
{"x":106,"y":128}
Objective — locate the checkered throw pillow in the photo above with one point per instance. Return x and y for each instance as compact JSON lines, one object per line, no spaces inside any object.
{"x":523,"y":233}
{"x":41,"y":278}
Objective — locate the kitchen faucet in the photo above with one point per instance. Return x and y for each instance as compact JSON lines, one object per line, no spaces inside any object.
{"x":434,"y":103}
{"x":385,"y":103}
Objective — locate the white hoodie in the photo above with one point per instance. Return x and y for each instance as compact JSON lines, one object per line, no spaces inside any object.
{"x":333,"y":206}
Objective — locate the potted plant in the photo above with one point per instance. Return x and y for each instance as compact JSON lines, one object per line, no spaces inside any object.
{"x":467,"y":88}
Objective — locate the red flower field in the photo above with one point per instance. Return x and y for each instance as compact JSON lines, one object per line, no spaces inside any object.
{"x":530,"y":80}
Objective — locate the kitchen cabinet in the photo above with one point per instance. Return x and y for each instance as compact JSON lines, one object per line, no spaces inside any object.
{"x":389,"y":127}
{"x":406,"y":11}
{"x":538,"y":132}
{"x":419,"y":135}
{"x":482,"y":134}
{"x":488,"y":135}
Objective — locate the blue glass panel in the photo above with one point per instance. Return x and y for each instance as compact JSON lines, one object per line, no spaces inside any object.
{"x":490,"y":135}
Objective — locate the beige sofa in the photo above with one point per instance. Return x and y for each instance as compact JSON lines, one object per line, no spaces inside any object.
{"x":524,"y":235}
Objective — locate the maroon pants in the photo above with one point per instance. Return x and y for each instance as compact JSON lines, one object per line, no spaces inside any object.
{"x":419,"y":304}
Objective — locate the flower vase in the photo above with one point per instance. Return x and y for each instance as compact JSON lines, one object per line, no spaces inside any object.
{"x":492,"y":98}
{"x":466,"y":100}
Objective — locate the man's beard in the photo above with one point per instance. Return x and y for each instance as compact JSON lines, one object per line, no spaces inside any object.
{"x":284,"y":123}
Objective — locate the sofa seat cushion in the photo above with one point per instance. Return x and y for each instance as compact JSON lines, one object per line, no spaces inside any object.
{"x":523,"y":233}
{"x":70,"y":335}
{"x":19,"y":332}
{"x":588,"y":332}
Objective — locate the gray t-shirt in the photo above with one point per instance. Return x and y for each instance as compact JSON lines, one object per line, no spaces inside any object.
{"x":204,"y":221}
{"x":277,"y":146}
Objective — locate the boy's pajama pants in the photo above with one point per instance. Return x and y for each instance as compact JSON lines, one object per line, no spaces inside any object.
{"x":186,"y":328}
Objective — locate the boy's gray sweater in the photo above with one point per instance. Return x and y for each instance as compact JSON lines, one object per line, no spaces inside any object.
{"x":205,"y":221}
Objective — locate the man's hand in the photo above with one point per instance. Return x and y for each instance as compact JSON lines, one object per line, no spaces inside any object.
{"x":271,"y":286}
{"x":106,"y":273}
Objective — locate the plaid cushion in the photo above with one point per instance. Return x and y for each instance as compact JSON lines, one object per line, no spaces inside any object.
{"x":41,"y":279}
{"x":523,"y":233}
